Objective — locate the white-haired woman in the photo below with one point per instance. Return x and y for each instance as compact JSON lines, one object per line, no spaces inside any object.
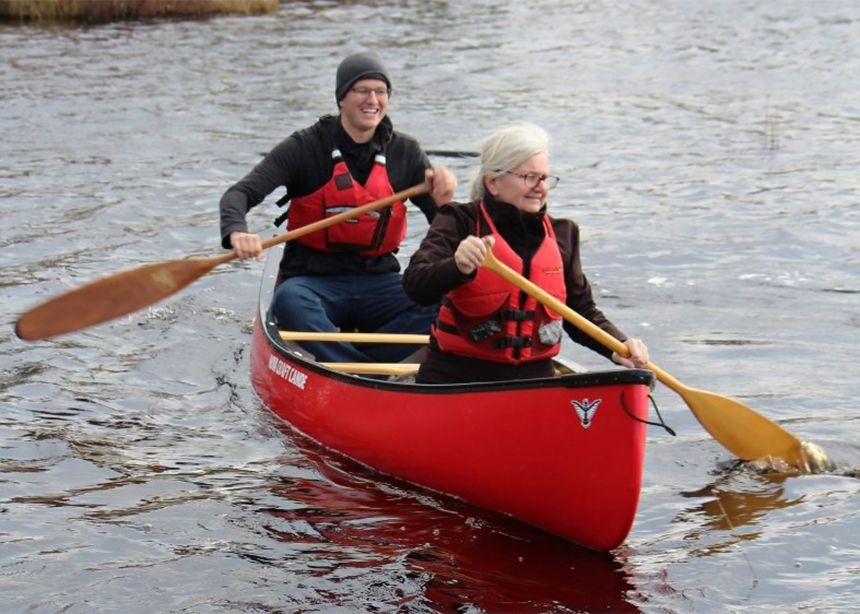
{"x":487,"y":329}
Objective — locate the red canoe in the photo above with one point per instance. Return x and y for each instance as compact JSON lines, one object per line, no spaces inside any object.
{"x":564,"y":454}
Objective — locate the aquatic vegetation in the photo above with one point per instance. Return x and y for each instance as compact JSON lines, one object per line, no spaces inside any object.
{"x":103,"y":11}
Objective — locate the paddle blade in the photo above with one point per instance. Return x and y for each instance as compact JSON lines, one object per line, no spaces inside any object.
{"x":744,"y":432}
{"x":112,"y":297}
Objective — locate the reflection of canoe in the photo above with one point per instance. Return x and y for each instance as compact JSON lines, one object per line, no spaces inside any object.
{"x":462,"y":554}
{"x":564,"y":454}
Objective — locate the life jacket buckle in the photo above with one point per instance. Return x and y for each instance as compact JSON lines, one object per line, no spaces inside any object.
{"x":484,"y":330}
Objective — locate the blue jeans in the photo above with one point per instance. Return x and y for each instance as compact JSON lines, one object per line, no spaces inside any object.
{"x":367,"y":303}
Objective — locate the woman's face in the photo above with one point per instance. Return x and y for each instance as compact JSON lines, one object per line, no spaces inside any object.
{"x":513,"y":186}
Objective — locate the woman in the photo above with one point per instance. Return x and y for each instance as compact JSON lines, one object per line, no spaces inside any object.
{"x":487,"y":329}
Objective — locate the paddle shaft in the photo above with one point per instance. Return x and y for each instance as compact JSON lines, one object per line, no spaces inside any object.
{"x":128,"y":291}
{"x":347,"y":215}
{"x":591,"y":329}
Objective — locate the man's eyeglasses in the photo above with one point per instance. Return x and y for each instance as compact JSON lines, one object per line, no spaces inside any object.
{"x":533,"y":179}
{"x":365,"y":92}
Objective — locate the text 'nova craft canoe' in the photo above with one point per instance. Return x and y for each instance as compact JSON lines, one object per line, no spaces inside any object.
{"x":564,"y":454}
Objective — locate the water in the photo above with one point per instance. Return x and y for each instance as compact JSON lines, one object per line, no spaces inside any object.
{"x":709,"y":152}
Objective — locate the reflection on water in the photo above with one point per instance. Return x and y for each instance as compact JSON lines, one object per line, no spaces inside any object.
{"x":453,"y":554}
{"x":727,"y":510}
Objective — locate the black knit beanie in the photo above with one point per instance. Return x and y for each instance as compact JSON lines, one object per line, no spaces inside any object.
{"x":358,"y":66}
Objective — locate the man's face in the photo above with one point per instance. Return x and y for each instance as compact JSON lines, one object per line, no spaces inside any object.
{"x":364,"y":105}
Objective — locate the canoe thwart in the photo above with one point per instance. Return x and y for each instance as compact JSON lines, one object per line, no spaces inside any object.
{"x":373,"y":368}
{"x":293,"y":335}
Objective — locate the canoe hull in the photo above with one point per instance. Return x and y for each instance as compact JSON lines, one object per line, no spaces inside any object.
{"x":520,"y":448}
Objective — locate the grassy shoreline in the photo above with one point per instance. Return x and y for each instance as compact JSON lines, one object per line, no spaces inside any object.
{"x":102,"y":11}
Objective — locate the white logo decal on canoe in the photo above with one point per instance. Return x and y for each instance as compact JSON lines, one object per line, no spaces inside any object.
{"x":586,"y":410}
{"x":291,"y":374}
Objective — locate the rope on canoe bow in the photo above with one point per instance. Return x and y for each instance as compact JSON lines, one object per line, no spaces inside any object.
{"x":661,"y":424}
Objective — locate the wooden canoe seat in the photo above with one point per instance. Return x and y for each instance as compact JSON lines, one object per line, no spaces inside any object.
{"x":374,"y":368}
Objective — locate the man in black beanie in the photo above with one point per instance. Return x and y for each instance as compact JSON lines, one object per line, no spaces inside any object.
{"x":362,"y":65}
{"x":347,"y":275}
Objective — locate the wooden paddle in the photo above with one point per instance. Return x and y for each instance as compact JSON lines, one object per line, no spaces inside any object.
{"x":128,"y":291}
{"x":745,"y":433}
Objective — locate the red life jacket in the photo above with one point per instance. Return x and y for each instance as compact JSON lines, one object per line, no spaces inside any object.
{"x":371,"y":234}
{"x":491,"y":319}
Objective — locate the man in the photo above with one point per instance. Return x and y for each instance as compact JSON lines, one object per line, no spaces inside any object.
{"x":345,"y":276}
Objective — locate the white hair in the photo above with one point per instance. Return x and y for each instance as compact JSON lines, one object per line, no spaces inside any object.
{"x":505,"y":150}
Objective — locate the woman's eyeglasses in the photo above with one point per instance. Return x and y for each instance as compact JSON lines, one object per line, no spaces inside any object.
{"x":533,"y":179}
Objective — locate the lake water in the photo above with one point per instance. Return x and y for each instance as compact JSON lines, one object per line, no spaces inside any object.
{"x":710,"y":152}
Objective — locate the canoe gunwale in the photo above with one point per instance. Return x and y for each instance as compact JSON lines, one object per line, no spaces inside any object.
{"x":292,"y":352}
